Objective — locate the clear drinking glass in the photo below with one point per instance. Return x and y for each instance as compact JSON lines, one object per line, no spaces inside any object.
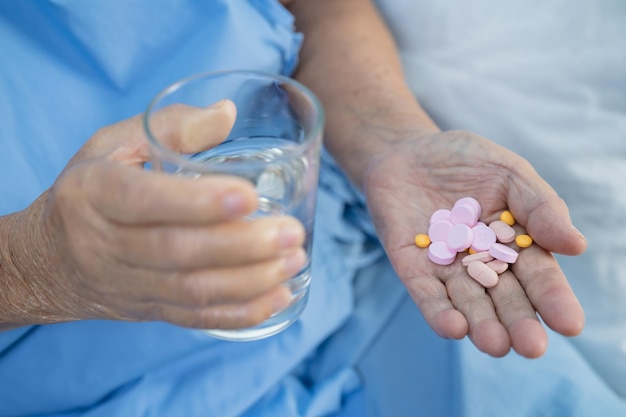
{"x":275,"y":144}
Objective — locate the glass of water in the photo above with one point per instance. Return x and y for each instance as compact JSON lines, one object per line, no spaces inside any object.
{"x":275,"y":144}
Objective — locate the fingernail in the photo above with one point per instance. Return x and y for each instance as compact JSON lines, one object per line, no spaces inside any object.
{"x":579,"y":234}
{"x":218,"y":104}
{"x":234,"y":204}
{"x":282,"y":302}
{"x":290,"y":235}
{"x":294,"y":261}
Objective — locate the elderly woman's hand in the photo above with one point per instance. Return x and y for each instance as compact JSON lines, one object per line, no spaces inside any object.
{"x":110,"y":240}
{"x":416,"y":176}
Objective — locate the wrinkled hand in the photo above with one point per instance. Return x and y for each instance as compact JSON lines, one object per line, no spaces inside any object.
{"x":417,"y":176}
{"x":110,"y":240}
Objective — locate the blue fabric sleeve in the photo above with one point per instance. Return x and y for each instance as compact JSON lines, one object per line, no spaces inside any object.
{"x":71,"y":67}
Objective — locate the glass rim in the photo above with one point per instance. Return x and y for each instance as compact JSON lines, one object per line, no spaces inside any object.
{"x":177,"y":158}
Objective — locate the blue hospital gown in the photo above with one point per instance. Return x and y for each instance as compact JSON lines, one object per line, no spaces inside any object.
{"x":69,"y":67}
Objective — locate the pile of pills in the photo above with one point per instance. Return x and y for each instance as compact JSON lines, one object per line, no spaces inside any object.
{"x":458,"y":230}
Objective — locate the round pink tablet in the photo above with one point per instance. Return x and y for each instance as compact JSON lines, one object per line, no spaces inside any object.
{"x":485,"y":276}
{"x":460,"y":237}
{"x":503,"y":231}
{"x":478,"y":256}
{"x":464,"y":214}
{"x":438,"y":231}
{"x":441,"y":254}
{"x":470,"y":201}
{"x":441,"y":214}
{"x":503,"y":252}
{"x":484,"y":237}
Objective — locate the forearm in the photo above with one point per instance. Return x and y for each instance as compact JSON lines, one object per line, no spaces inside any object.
{"x":350,"y":61}
{"x":22,"y":299}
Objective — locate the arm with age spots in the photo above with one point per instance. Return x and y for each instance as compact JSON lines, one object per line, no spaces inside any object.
{"x":407,"y":168}
{"x":110,"y":240}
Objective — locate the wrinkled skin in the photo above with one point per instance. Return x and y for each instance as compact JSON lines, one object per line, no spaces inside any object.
{"x":411,"y":178}
{"x":109,"y":245}
{"x":113,"y":241}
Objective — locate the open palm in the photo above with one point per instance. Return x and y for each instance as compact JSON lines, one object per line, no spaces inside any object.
{"x":417,"y":176}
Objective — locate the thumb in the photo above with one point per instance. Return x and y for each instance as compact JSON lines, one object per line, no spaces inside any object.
{"x":178,"y":127}
{"x":546,"y":217}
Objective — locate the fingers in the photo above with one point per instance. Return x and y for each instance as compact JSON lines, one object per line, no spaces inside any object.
{"x":213,"y":286}
{"x":221,"y":245}
{"x":485,"y":329}
{"x":518,"y":316}
{"x":186,"y":129}
{"x":495,"y":320}
{"x":197,"y":261}
{"x":552,"y":229}
{"x":236,"y":284}
{"x":455,"y":305}
{"x":178,"y":127}
{"x":543,"y":213}
{"x":227,"y":316}
{"x":129,"y":195}
{"x":431,"y":296}
{"x":548,"y":290}
{"x":506,"y":314}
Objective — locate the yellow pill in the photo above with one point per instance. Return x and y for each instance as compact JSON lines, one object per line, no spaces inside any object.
{"x":523,"y":241}
{"x":422,"y":240}
{"x":507,"y":217}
